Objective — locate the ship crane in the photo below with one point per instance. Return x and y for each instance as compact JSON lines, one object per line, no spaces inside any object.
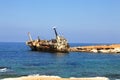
{"x":56,"y":34}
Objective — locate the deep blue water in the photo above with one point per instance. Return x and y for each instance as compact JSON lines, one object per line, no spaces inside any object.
{"x":16,"y":59}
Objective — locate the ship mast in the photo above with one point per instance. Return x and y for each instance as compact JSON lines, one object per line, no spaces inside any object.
{"x":30,"y":38}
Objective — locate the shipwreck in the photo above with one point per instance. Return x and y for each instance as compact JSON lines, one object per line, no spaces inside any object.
{"x":59,"y":44}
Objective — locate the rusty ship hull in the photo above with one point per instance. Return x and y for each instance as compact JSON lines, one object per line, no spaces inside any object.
{"x":38,"y":46}
{"x":59,"y":44}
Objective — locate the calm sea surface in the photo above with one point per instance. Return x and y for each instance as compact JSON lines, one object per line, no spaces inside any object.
{"x":16,"y":59}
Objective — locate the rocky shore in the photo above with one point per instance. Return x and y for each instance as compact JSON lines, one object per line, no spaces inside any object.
{"x":54,"y":78}
{"x":114,"y":48}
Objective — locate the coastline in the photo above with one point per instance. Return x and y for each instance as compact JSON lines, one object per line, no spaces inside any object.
{"x":24,"y":54}
{"x":113,"y":48}
{"x":43,"y":77}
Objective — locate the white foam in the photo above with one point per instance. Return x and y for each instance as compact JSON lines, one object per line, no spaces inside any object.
{"x":96,"y":78}
{"x":11,"y":79}
{"x":3,"y":70}
{"x":55,"y":77}
{"x":37,"y":75}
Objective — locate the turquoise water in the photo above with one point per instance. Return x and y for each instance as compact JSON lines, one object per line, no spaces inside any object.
{"x":16,"y":59}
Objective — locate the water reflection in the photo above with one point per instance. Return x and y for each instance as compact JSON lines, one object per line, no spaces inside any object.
{"x":58,"y":54}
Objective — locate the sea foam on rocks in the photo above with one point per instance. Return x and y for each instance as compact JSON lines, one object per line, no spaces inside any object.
{"x":3,"y":69}
{"x":44,"y":77}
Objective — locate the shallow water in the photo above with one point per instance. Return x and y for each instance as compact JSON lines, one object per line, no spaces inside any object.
{"x":16,"y":59}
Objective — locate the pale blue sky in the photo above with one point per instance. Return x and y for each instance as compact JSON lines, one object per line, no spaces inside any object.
{"x":83,"y":21}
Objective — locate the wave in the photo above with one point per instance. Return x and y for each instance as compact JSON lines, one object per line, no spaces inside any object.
{"x":3,"y":69}
{"x":45,"y":77}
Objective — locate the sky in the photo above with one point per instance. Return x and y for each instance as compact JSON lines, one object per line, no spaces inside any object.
{"x":79,"y":21}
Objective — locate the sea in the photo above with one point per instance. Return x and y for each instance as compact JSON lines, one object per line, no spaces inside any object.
{"x":16,"y":60}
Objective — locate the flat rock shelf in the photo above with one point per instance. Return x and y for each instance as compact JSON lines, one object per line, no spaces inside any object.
{"x":113,"y":48}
